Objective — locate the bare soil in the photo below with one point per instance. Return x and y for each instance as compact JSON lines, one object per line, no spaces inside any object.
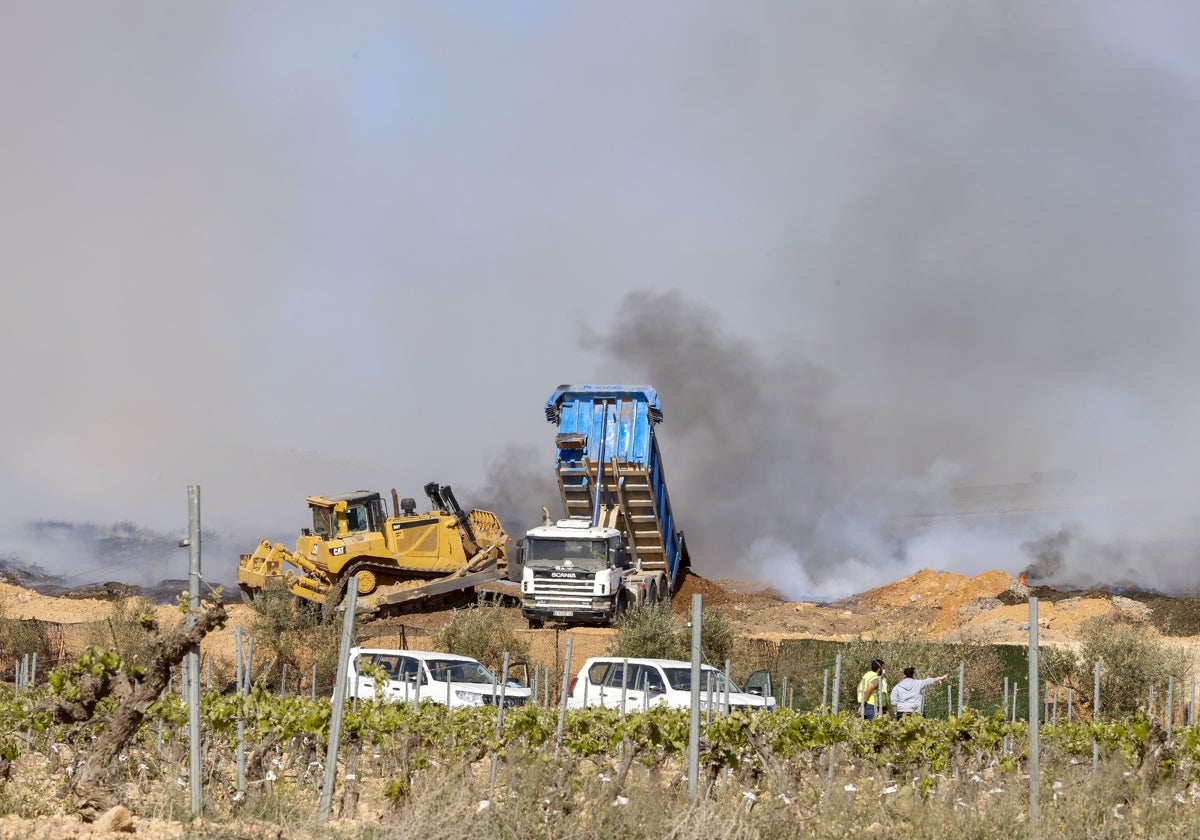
{"x":936,"y":606}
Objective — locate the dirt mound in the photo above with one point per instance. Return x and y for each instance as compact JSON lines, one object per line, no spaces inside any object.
{"x":929,"y":602}
{"x":692,"y":584}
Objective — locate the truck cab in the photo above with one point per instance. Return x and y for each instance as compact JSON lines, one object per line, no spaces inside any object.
{"x":575,"y":571}
{"x":618,"y":545}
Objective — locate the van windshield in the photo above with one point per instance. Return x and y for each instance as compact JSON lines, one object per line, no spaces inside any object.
{"x":454,"y":670}
{"x":589,"y":555}
{"x":711,"y":679}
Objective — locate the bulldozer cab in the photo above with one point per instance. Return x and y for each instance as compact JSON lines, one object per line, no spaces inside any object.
{"x":338,"y":516}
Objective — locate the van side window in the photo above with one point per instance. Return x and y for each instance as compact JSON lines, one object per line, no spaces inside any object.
{"x":654,"y":681}
{"x":597,"y":672}
{"x":616,"y":674}
{"x":390,"y":664}
{"x":410,"y":669}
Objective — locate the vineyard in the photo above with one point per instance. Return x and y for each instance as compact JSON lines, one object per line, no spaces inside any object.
{"x":544,"y":771}
{"x":784,"y":773}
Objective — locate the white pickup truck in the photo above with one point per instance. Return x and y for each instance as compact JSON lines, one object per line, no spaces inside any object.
{"x":604,"y":680}
{"x":415,"y":675}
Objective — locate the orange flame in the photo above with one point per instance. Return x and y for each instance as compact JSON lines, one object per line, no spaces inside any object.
{"x":1021,"y":578}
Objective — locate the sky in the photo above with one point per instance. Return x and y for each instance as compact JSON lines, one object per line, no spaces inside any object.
{"x":868,"y":253}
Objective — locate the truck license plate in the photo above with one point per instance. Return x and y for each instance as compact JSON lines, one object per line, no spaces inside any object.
{"x":563,"y":612}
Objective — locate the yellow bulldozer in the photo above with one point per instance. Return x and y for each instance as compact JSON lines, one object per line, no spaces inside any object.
{"x":401,"y":562}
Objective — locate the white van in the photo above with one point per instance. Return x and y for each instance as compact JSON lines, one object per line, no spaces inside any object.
{"x":444,"y":678}
{"x":662,"y":682}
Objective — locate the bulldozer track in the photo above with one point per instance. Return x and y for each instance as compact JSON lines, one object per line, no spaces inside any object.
{"x":337,"y":589}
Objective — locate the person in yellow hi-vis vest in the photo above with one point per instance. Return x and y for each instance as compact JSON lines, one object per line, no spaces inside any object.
{"x":873,"y":692}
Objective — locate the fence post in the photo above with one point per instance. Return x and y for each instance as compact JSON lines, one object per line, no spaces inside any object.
{"x":825,"y":693}
{"x":725,"y":705}
{"x":624,"y":686}
{"x":241,"y":724}
{"x":339,"y":700}
{"x":694,"y":716}
{"x":837,"y":682}
{"x":417,"y":688}
{"x":1192,"y":703}
{"x":562,"y":705}
{"x":1096,"y":713}
{"x":499,"y":727}
{"x":1170,"y":704}
{"x":962,"y":678}
{"x":249,"y":663}
{"x":1034,"y":735}
{"x":708,"y":692}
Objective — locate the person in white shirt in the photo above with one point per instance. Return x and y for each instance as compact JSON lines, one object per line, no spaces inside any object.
{"x":908,"y":695}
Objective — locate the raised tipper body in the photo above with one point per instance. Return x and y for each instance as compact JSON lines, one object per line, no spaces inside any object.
{"x":618,"y":545}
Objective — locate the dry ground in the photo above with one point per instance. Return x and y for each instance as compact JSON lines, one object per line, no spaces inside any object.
{"x":936,"y":606}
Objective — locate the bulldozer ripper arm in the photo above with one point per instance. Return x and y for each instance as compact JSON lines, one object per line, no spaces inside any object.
{"x":263,"y":567}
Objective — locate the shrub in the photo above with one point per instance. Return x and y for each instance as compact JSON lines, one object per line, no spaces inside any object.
{"x":481,"y":632}
{"x":1131,"y":661}
{"x":647,"y":632}
{"x":289,"y":631}
{"x":124,"y":631}
{"x":23,"y":637}
{"x":716,"y":637}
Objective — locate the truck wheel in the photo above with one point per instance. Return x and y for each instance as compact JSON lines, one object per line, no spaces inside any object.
{"x":536,"y":624}
{"x":652,"y":598}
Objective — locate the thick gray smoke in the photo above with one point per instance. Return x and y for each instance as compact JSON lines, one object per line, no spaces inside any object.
{"x":1049,"y":553}
{"x":768,"y":478}
{"x":519,"y":482}
{"x":76,"y":553}
{"x":919,"y":247}
{"x":751,"y":451}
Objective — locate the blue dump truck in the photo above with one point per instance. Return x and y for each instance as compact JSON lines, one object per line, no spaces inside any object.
{"x":618,"y":546}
